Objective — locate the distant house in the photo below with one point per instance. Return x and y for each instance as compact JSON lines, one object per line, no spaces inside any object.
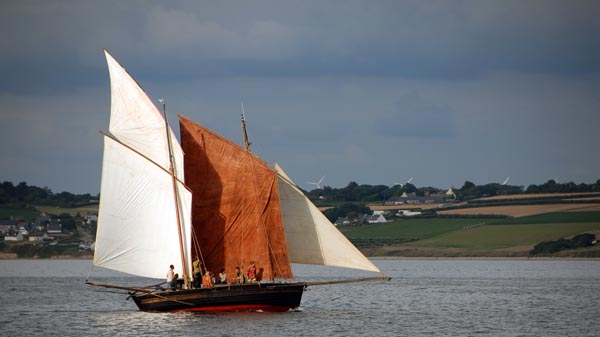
{"x":342,"y":222}
{"x":414,"y":199}
{"x":86,"y":245}
{"x":377,"y":217}
{"x":361,"y":219}
{"x":54,"y":227}
{"x":36,"y":236}
{"x":41,"y":220}
{"x":345,"y":222}
{"x":6,"y":225}
{"x":23,"y":231}
{"x":91,"y":217}
{"x":13,"y":235}
{"x":450,"y":194}
{"x":403,"y":212}
{"x":4,"y":229}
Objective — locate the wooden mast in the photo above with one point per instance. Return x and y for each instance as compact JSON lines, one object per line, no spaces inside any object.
{"x":176,"y":195}
{"x":244,"y":133}
{"x":247,"y":147}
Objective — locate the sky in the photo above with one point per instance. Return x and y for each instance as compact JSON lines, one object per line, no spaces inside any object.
{"x":374,"y":92}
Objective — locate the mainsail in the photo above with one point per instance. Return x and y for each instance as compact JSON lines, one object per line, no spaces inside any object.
{"x":137,"y":221}
{"x":235,"y":207}
{"x":311,"y":237}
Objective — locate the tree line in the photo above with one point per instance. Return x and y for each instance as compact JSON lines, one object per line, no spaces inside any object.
{"x":471,"y":191}
{"x":23,"y":194}
{"x":354,"y":192}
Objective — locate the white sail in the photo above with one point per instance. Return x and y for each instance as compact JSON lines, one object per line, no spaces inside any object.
{"x":311,"y":237}
{"x":137,"y":221}
{"x":135,"y":120}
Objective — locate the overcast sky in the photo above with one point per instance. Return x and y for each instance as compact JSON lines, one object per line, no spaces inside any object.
{"x":369,"y":91}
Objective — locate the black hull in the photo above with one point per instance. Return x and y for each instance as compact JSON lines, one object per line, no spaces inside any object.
{"x":265,"y":297}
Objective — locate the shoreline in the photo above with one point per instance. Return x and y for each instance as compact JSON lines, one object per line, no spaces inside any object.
{"x":58,"y":257}
{"x":484,"y":258}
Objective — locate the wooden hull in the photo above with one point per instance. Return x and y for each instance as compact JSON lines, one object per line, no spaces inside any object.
{"x":265,"y":297}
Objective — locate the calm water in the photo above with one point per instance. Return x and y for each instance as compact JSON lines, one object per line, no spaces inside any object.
{"x":425,"y":298}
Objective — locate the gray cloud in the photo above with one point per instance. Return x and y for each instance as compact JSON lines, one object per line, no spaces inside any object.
{"x":370,"y":91}
{"x":415,"y":116}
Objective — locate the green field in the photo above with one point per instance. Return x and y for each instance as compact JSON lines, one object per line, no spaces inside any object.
{"x":487,"y":235}
{"x":83,"y":210}
{"x":558,"y":217}
{"x":410,"y":229}
{"x":28,"y":213}
{"x":31,"y":212}
{"x":498,"y":237}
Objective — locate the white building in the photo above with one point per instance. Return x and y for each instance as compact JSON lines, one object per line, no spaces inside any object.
{"x":23,"y":231}
{"x":91,"y":217}
{"x":377,"y":217}
{"x":13,"y":236}
{"x":450,"y":194}
{"x":404,"y":212}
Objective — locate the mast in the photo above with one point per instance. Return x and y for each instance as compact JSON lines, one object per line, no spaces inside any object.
{"x":244,"y":133}
{"x":247,"y":147}
{"x":256,"y":192}
{"x":175,"y":195}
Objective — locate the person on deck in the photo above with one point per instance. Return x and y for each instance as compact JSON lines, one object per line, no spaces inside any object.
{"x":222,"y":277}
{"x":171,"y":278}
{"x":239,"y":276}
{"x":207,"y":280}
{"x":197,"y":273}
{"x":251,"y":273}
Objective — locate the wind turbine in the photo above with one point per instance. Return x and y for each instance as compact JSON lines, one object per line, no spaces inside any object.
{"x":401,"y":185}
{"x":506,"y":180}
{"x":318,"y":184}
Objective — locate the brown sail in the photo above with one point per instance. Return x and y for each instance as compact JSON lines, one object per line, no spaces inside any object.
{"x":236,"y":215}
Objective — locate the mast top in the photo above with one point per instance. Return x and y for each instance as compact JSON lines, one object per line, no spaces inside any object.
{"x":244,"y":132}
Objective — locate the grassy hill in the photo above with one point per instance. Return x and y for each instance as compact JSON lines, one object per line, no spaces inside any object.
{"x":82,"y":210}
{"x":405,"y":230}
{"x":472,"y":236}
{"x":31,"y":212}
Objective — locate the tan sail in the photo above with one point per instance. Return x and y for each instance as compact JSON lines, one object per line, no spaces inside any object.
{"x":312,"y":238}
{"x":236,"y":213}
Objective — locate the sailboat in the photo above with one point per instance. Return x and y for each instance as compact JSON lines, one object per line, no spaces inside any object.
{"x":207,"y":200}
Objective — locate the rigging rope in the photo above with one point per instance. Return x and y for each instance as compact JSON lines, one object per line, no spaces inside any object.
{"x":89,"y":273}
{"x":197,"y":249}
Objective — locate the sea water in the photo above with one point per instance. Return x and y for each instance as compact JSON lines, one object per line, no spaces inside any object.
{"x":425,"y":298}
